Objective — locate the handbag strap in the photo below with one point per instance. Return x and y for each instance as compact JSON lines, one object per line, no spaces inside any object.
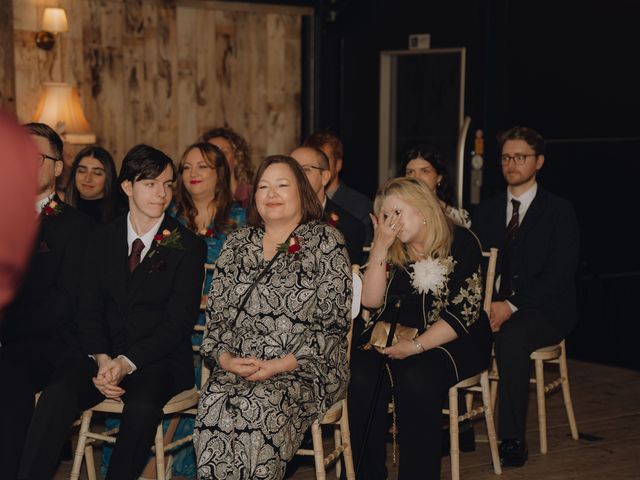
{"x":255,"y":282}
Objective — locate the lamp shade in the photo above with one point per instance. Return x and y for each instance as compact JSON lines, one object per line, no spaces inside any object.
{"x":54,"y":20}
{"x":60,"y":108}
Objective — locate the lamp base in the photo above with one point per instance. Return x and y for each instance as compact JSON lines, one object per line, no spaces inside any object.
{"x":45,"y":40}
{"x":79,"y":138}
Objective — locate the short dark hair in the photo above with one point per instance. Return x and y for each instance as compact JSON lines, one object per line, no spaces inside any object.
{"x":45,"y":131}
{"x":311,"y":208}
{"x":112,"y":192}
{"x":143,"y":162}
{"x":325,"y":137}
{"x":529,"y":135}
{"x":444,"y":189}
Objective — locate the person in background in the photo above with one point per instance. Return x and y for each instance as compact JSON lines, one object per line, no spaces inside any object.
{"x":354,"y":202}
{"x":425,"y":273}
{"x":538,"y":241}
{"x":93,"y":187}
{"x":204,"y":205}
{"x":39,"y":332}
{"x":423,"y":162}
{"x":19,"y":160}
{"x":316,"y":167}
{"x":138,"y":304}
{"x":278,"y":316}
{"x":237,"y":152}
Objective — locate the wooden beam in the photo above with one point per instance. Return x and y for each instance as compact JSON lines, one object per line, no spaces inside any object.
{"x":7,"y":64}
{"x":248,"y":7}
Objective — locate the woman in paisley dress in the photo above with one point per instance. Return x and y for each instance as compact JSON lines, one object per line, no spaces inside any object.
{"x":424,"y":272}
{"x":424,"y":163}
{"x":278,"y":314}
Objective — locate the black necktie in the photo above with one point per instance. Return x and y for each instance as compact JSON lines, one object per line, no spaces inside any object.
{"x":134,"y":257}
{"x":510,"y":235}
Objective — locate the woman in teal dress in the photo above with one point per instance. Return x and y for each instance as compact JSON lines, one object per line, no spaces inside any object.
{"x":204,"y":204}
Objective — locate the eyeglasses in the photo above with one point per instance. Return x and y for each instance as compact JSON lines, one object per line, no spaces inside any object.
{"x":309,"y":168}
{"x":44,"y":156}
{"x":517,"y":159}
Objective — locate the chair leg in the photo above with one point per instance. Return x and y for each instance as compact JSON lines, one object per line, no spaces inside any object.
{"x":454,"y":451}
{"x":494,"y":382}
{"x":82,"y":440}
{"x":542,"y":409}
{"x":91,"y":466}
{"x":346,"y":442}
{"x":318,"y":451}
{"x":488,"y":417}
{"x":159,"y":442}
{"x":337,"y":441}
{"x":566,"y":394}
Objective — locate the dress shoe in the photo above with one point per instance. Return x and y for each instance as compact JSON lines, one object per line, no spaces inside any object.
{"x":513,"y":453}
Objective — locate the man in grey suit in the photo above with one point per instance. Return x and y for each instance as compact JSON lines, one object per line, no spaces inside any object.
{"x":535,"y":305}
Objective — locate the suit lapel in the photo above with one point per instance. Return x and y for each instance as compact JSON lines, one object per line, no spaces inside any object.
{"x":152,"y":260}
{"x":534,"y":212}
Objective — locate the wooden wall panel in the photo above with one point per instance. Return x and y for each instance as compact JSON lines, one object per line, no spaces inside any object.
{"x":163,"y":71}
{"x":7,"y":70}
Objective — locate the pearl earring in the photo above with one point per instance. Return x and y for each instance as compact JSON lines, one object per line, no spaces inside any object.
{"x":424,"y":221}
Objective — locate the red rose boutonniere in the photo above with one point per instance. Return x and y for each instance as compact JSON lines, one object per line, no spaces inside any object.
{"x":291,"y":247}
{"x":167,"y":238}
{"x":207,"y":232}
{"x":51,"y":208}
{"x":333,"y":218}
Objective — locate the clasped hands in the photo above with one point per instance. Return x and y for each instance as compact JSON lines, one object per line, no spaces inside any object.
{"x":111,"y":371}
{"x":255,"y":370}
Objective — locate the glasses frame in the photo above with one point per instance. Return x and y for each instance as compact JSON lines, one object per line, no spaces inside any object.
{"x":517,"y":159}
{"x":44,"y":156}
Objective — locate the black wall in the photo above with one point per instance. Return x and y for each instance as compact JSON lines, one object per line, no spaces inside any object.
{"x":567,"y":69}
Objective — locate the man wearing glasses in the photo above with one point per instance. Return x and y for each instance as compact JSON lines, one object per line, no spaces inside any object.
{"x":38,"y":331}
{"x":316,"y":166}
{"x":534,"y":306}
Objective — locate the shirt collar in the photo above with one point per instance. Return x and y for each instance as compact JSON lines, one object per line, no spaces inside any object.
{"x":525,"y":201}
{"x":147,"y":238}
{"x":43,"y":201}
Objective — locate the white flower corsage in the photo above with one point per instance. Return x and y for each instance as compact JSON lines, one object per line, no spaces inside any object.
{"x":429,"y":275}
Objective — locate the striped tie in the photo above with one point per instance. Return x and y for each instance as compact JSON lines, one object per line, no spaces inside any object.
{"x":510,"y":235}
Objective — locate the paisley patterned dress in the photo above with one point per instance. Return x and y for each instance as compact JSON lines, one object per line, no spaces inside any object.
{"x":301,"y":305}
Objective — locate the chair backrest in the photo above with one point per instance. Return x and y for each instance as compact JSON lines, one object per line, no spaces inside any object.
{"x":489,"y":280}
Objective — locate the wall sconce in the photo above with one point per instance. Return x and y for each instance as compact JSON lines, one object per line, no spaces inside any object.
{"x":60,"y":108}
{"x":54,"y":21}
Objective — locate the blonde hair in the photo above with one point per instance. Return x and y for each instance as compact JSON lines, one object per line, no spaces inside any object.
{"x":437,"y":243}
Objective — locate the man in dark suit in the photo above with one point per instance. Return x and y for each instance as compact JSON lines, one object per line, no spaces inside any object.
{"x":136,"y":314}
{"x":535,"y":305}
{"x":38,"y":331}
{"x":354,"y":202}
{"x":316,"y":166}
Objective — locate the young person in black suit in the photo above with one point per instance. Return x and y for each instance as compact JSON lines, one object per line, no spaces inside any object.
{"x":535,"y":305}
{"x":316,"y":166}
{"x":136,"y":314}
{"x":38,"y":331}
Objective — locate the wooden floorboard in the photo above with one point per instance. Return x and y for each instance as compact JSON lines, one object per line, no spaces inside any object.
{"x":607,"y":407}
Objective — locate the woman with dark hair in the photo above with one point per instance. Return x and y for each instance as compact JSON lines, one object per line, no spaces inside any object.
{"x":278,"y":314}
{"x":93,"y":187}
{"x":236,"y":151}
{"x":423,"y":162}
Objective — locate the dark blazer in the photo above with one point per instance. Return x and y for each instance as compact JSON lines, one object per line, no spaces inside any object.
{"x":351,"y":228}
{"x":545,"y":254}
{"x":147,"y":315}
{"x":46,"y":301}
{"x":358,"y":205}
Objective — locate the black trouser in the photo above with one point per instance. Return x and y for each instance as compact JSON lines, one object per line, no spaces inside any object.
{"x":70,"y":392}
{"x":420,"y":385}
{"x":25,"y":369}
{"x":524,"y":332}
